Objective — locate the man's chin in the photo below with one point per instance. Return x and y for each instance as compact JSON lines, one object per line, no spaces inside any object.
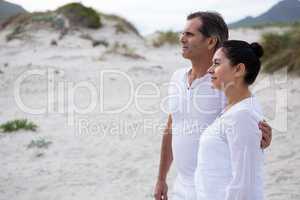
{"x":184,"y":55}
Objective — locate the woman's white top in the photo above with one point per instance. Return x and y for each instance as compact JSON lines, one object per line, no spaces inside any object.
{"x":230,"y":159}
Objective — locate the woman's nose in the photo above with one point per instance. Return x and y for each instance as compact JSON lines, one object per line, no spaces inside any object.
{"x":211,"y":69}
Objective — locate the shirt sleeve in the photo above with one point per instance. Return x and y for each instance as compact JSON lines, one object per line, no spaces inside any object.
{"x":243,"y":138}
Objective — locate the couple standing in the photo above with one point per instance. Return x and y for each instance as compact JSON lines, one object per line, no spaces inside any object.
{"x":214,"y":134}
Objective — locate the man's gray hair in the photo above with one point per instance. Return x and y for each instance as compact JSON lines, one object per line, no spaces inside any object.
{"x":213,"y":25}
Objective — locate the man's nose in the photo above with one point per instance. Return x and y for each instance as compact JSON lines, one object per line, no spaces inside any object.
{"x":182,"y":37}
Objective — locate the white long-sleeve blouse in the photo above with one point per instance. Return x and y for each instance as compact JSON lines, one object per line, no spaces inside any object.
{"x":230,"y":159}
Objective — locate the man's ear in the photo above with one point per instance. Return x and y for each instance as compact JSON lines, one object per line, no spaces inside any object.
{"x":240,"y":70}
{"x":212,"y":43}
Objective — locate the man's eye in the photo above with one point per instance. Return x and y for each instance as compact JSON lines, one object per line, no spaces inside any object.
{"x":186,"y":33}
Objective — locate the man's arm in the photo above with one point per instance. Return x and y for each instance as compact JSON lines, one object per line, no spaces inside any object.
{"x":266,"y":134}
{"x":166,"y":158}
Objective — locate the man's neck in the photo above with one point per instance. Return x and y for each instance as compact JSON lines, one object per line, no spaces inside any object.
{"x":200,"y":67}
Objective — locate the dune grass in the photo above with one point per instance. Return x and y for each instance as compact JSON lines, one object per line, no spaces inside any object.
{"x":77,"y":15}
{"x":94,"y":41}
{"x":17,"y":124}
{"x":122,"y":25}
{"x":282,"y":50}
{"x":39,"y":143}
{"x":26,"y":18}
{"x":80,"y":15}
{"x":123,"y":50}
{"x":168,"y":37}
{"x":16,"y":33}
{"x":19,"y":19}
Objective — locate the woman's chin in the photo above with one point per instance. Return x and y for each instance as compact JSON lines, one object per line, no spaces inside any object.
{"x":215,"y":86}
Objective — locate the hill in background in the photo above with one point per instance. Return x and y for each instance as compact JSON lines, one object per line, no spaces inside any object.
{"x":284,"y":12}
{"x":9,"y":9}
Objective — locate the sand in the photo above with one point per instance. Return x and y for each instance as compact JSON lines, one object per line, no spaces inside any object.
{"x":103,"y":153}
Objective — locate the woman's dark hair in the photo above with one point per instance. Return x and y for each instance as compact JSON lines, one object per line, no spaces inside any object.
{"x":238,"y":51}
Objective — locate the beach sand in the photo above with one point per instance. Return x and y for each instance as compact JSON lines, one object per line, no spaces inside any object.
{"x":102,"y":155}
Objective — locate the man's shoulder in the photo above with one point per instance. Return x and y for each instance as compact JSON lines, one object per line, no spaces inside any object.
{"x":179,"y":73}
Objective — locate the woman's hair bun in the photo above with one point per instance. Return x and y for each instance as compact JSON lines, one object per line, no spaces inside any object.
{"x":257,"y":48}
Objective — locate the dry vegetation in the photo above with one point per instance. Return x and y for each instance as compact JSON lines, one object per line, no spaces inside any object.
{"x":168,"y":37}
{"x":282,"y":50}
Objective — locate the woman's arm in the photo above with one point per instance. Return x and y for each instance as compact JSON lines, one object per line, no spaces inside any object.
{"x":246,"y":157}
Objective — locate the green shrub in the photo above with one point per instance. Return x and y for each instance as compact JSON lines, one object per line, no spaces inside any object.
{"x":18,"y":124}
{"x":168,"y":37}
{"x":282,"y":50}
{"x":39,"y":143}
{"x":80,"y":15}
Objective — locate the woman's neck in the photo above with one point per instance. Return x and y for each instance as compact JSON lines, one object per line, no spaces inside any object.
{"x":236,"y":94}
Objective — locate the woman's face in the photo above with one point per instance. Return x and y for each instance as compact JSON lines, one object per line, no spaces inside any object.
{"x":223,"y":73}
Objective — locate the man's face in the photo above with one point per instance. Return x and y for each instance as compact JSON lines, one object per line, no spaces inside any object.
{"x":194,"y":44}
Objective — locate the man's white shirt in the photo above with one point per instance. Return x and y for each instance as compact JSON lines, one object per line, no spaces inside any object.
{"x":193,"y":108}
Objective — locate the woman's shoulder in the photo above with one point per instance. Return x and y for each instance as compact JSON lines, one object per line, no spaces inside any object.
{"x":248,"y":109}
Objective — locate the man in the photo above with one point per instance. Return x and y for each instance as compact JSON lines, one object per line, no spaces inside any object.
{"x":195,"y":105}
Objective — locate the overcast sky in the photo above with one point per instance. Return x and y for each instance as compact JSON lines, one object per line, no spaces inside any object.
{"x":151,"y":15}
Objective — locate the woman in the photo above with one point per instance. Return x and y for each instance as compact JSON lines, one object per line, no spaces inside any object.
{"x":230,"y":159}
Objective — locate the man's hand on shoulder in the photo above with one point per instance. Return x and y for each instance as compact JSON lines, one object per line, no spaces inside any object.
{"x":266,"y":134}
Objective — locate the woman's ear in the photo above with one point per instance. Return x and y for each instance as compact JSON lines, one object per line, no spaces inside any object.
{"x":240,"y":70}
{"x":212,"y":42}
